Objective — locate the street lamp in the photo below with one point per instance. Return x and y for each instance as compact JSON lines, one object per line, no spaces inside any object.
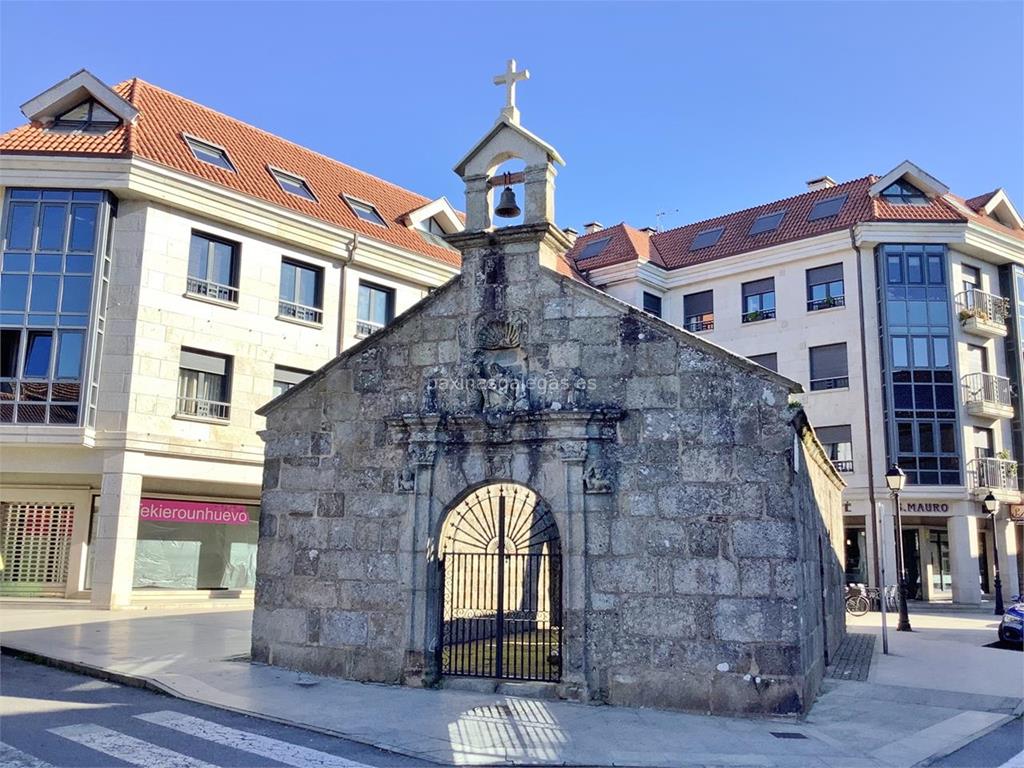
{"x":896,"y":478}
{"x":991,"y":505}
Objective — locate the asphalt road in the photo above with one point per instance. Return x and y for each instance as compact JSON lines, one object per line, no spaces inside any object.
{"x":49,"y":717}
{"x":1003,"y":747}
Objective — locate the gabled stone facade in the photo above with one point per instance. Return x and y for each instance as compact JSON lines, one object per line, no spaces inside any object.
{"x":699,"y":523}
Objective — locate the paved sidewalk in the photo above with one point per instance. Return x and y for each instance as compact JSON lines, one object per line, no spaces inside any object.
{"x":918,"y":703}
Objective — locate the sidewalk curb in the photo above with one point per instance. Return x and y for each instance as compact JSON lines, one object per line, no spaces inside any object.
{"x":956,"y":746}
{"x":154,"y":686}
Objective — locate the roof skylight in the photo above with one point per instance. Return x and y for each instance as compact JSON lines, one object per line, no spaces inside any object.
{"x":365,"y":211}
{"x":707,"y":238}
{"x":209,"y":153}
{"x":594,"y":248}
{"x":295,"y":185}
{"x":766,"y":223}
{"x":824,"y":209}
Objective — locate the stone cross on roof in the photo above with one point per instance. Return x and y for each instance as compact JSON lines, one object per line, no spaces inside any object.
{"x":509,"y":79}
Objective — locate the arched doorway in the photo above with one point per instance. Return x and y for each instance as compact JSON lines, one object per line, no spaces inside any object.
{"x":500,"y":571}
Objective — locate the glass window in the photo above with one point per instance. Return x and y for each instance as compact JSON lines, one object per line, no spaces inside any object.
{"x":758,"y":300}
{"x":375,"y":308}
{"x":37,"y":354}
{"x":903,"y":193}
{"x":594,"y":248}
{"x":769,"y":222}
{"x":824,"y":209}
{"x":365,"y":211}
{"x":286,"y":378}
{"x":838,"y":444}
{"x":89,"y":116}
{"x":51,"y":228}
{"x":707,"y":238}
{"x":69,"y":356}
{"x":294,"y":185}
{"x":923,"y":394}
{"x":213,"y":268}
{"x":209,"y":153}
{"x":301,"y":292}
{"x":21,"y":226}
{"x":46,"y":300}
{"x":828,"y":367}
{"x":204,"y":385}
{"x":699,"y":311}
{"x":652,"y":303}
{"x":825,"y":287}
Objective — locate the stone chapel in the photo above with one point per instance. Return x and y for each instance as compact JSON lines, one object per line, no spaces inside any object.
{"x":525,"y":481}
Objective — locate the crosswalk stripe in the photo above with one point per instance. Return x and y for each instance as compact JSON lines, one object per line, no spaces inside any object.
{"x":1017,"y":761}
{"x":15,"y":758}
{"x":281,"y":751}
{"x":127,"y":748}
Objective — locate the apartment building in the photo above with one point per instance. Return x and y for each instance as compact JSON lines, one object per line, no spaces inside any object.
{"x":899,"y":307}
{"x":166,"y":270}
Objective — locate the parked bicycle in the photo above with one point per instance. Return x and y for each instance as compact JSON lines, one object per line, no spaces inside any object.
{"x":861,"y":598}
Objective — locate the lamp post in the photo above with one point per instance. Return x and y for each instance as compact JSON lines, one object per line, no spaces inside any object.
{"x":991,"y":505}
{"x":896,"y":478}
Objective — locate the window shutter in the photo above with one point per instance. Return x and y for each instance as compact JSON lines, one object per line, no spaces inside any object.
{"x":767,"y":285}
{"x":829,"y":362}
{"x":699,"y":304}
{"x":828,"y":274}
{"x":769,"y":360}
{"x":198,"y":361}
{"x":832,"y":435}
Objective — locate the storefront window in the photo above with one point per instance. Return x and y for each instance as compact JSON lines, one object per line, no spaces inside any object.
{"x":196,"y":545}
{"x":856,"y":556}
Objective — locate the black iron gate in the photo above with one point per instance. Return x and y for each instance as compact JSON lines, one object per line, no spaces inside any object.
{"x":501,"y":587}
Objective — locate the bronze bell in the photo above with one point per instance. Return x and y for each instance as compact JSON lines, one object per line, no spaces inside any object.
{"x":507,"y":206}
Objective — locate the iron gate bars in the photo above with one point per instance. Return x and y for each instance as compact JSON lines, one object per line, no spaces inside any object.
{"x":500,"y":593}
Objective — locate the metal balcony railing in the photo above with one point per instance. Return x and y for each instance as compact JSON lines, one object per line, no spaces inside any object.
{"x":366,"y":327}
{"x":699,"y":323}
{"x":843,"y":465}
{"x":983,"y":306}
{"x":300,"y":312}
{"x":986,"y":388}
{"x":203,"y":409}
{"x":997,"y":474}
{"x":212,"y":290}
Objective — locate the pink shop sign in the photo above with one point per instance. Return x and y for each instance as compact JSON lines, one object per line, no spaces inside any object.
{"x":175,"y":511}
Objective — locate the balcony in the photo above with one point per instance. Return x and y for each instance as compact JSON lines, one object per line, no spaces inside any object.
{"x":983,"y":314}
{"x":700,"y":323}
{"x":207,"y":289}
{"x":995,"y":475}
{"x":289,"y":310}
{"x":987,"y":395}
{"x":366,"y":327}
{"x":202,"y":409}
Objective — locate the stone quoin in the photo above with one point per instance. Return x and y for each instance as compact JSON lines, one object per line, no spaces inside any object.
{"x":649,"y":518}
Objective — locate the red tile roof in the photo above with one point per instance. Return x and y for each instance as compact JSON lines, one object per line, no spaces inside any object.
{"x":671,"y":249}
{"x":157,"y":136}
{"x":979,"y":202}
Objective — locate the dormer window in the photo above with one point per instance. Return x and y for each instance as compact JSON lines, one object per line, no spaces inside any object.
{"x":904,"y":193}
{"x":90,"y":116}
{"x":209,"y":153}
{"x":432,"y":226}
{"x":292,"y":184}
{"x":366,"y":211}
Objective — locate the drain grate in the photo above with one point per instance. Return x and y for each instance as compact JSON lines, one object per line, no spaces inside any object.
{"x":787,"y":735}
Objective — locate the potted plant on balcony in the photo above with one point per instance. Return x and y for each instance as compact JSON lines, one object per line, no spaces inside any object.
{"x":968,"y":312}
{"x":753,"y":317}
{"x":1011,"y":468}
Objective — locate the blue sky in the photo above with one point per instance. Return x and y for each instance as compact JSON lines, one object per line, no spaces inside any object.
{"x":700,"y":107}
